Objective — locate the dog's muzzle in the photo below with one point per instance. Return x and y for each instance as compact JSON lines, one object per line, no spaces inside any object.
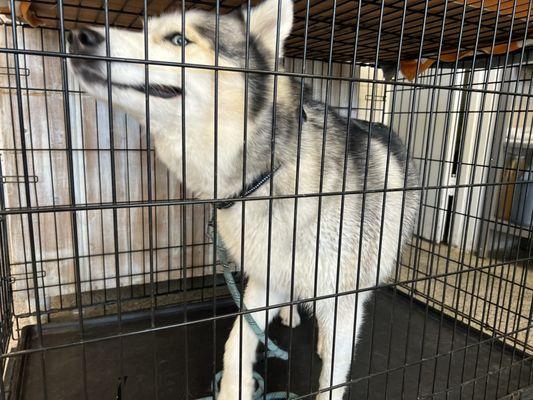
{"x":87,"y":41}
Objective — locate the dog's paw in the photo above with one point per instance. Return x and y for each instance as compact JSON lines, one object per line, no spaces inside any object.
{"x":227,"y":395}
{"x":234,"y":395}
{"x":285,"y":315}
{"x":335,"y":394}
{"x":231,"y":392}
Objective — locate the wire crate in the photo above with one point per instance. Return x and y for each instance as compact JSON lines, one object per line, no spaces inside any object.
{"x":110,"y":281}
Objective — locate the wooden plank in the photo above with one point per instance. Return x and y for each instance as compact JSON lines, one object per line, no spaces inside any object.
{"x":43,"y":105}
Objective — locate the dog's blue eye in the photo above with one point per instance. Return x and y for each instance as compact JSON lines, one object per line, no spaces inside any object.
{"x":178,"y":40}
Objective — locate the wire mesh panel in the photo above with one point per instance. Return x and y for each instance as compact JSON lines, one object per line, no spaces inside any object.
{"x":6,"y":302}
{"x":463,"y":236}
{"x":171,"y":185}
{"x":464,"y":225}
{"x":58,"y":256}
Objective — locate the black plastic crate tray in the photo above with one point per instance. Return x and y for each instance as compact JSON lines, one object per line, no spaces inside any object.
{"x":178,"y":363}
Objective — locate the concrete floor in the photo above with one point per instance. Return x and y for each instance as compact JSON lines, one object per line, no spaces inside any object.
{"x":486,"y":294}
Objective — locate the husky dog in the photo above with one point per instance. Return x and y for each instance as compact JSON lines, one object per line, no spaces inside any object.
{"x":328,"y":246}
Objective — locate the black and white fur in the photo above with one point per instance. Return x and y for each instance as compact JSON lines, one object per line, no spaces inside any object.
{"x":339,"y":264}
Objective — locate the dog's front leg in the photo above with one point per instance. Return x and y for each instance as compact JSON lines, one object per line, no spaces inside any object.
{"x":239,"y":353}
{"x":335,"y":348}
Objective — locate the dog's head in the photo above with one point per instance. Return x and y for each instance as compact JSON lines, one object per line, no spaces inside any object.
{"x":194,"y":38}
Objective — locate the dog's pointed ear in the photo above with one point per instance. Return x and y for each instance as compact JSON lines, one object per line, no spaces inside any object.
{"x":264,"y":23}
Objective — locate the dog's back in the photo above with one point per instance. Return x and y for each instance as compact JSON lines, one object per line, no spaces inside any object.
{"x":341,"y":186}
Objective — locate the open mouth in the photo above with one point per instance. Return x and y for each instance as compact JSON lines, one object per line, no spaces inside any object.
{"x":154,"y":89}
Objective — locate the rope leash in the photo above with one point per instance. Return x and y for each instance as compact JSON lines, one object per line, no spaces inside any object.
{"x":273,"y":350}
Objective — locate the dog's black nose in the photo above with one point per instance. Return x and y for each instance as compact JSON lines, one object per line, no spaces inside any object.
{"x":85,"y":37}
